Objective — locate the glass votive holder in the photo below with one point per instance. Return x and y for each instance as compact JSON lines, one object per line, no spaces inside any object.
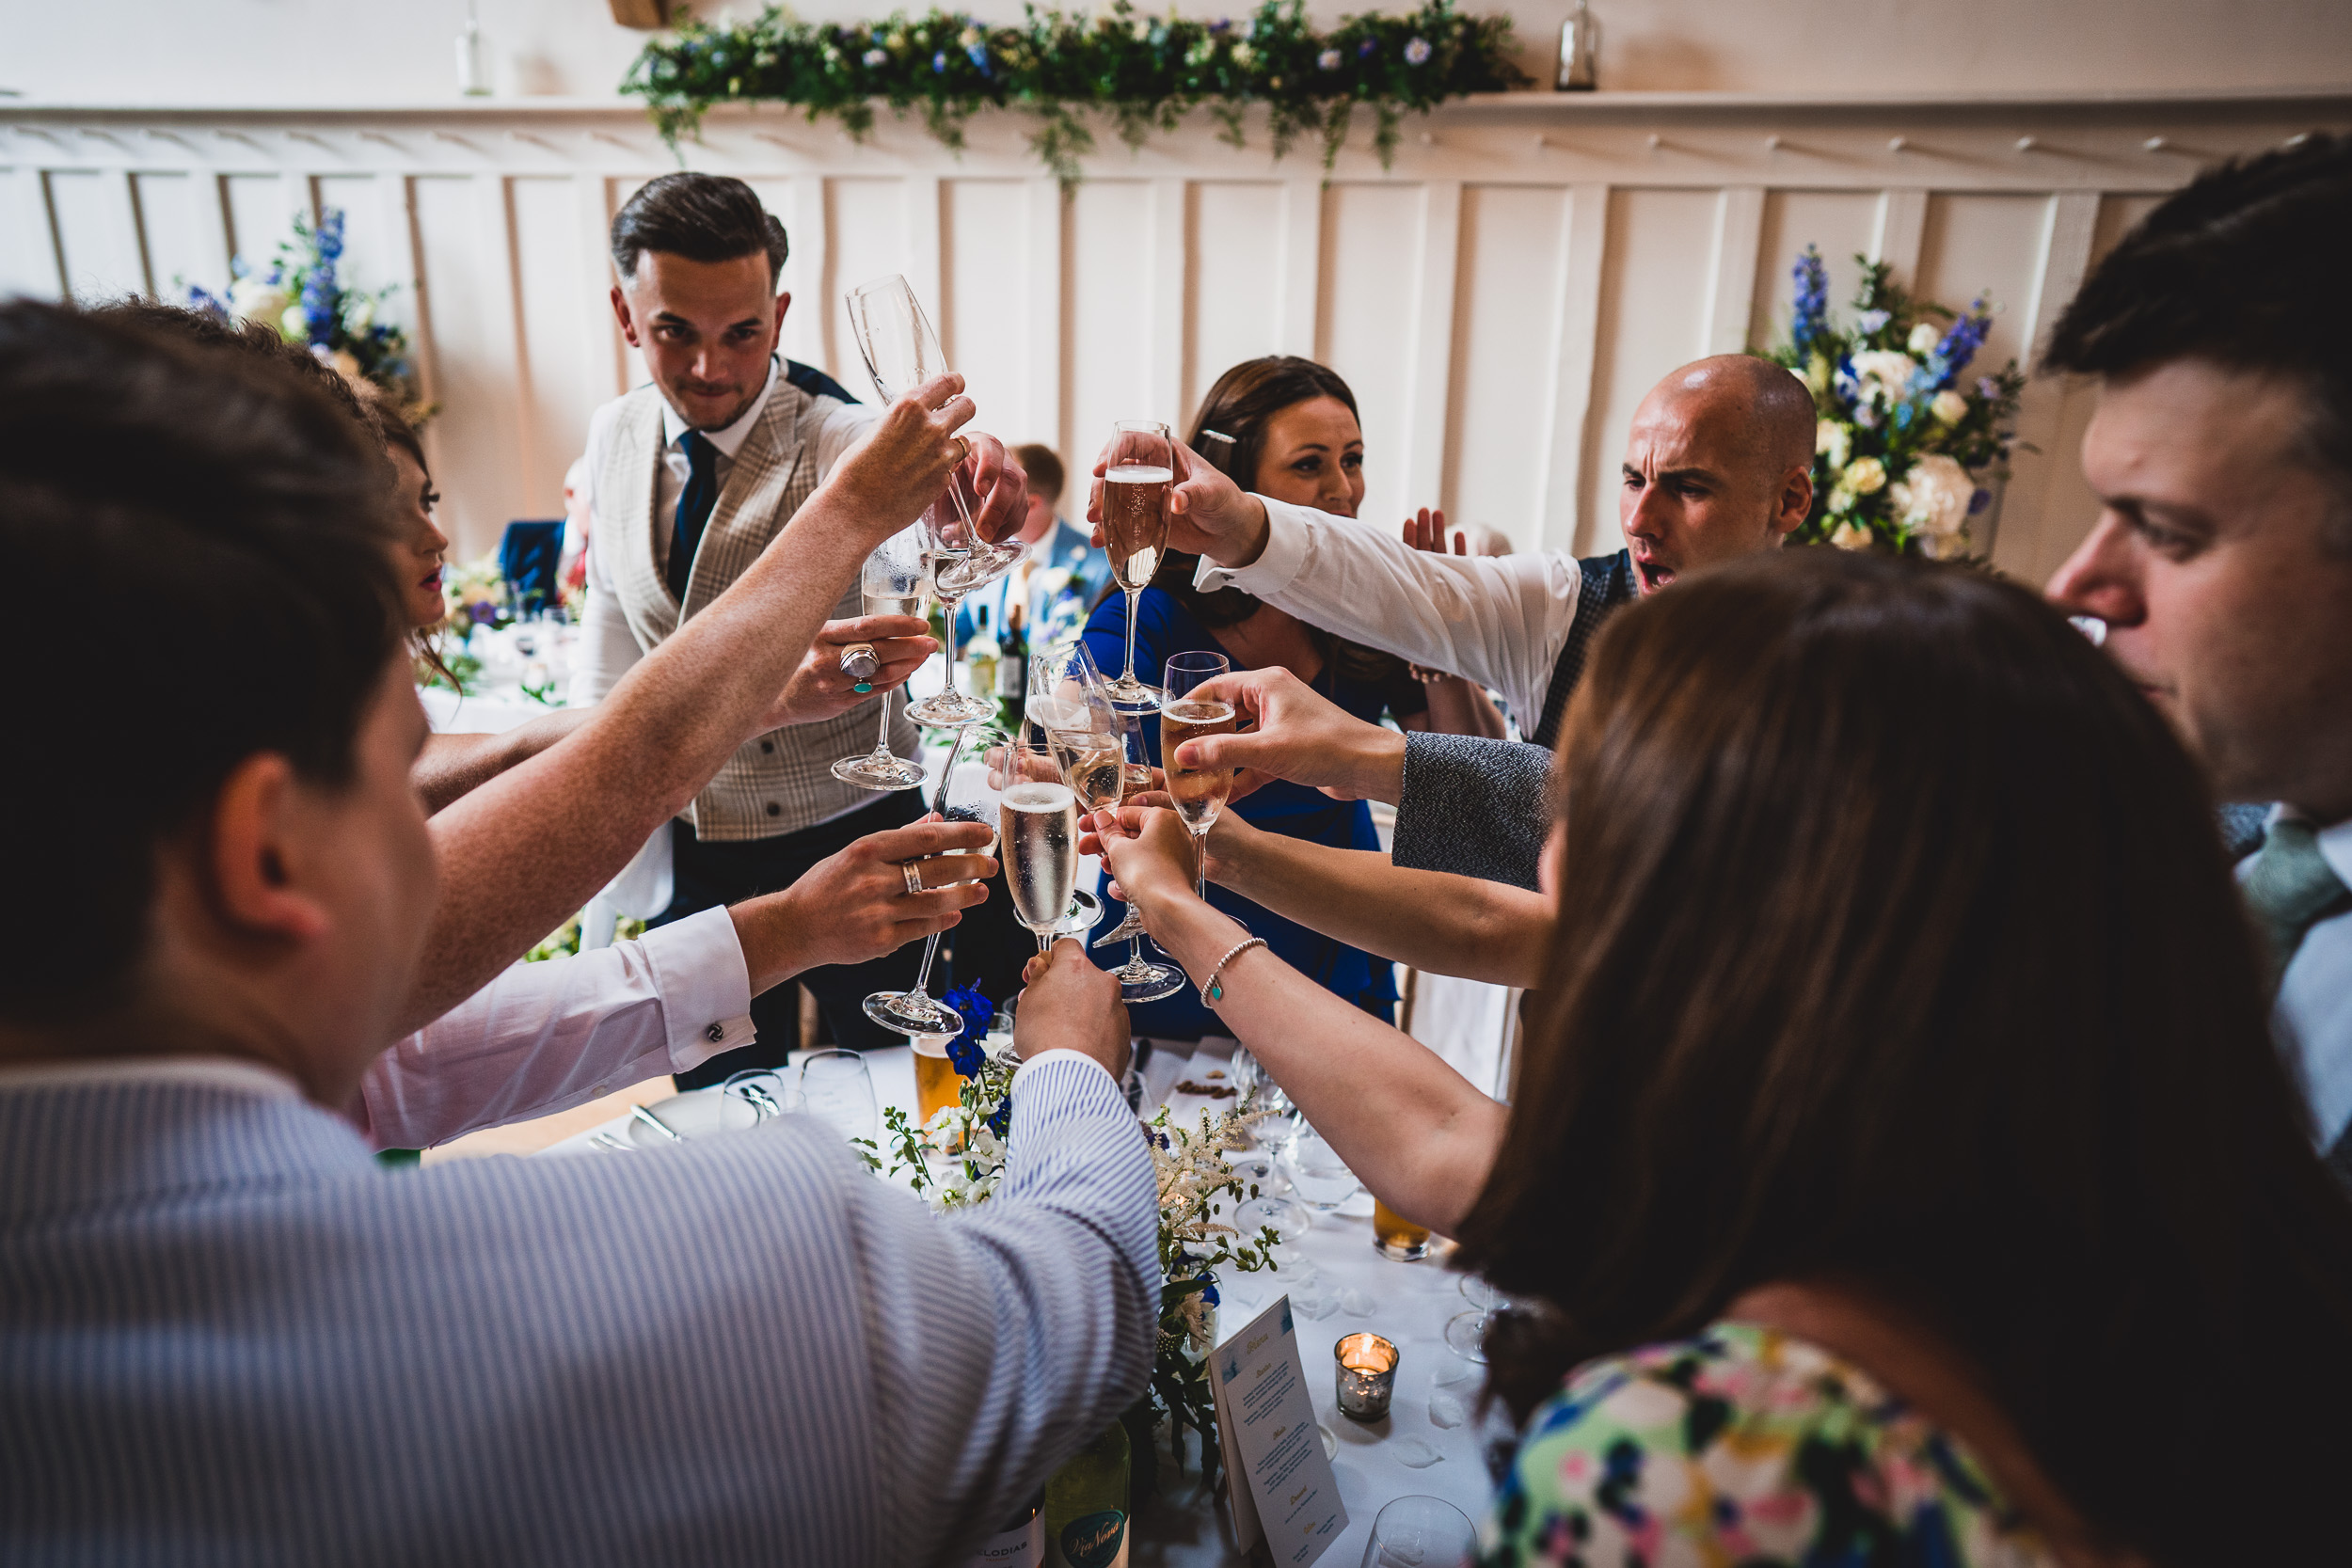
{"x":1367,"y":1374}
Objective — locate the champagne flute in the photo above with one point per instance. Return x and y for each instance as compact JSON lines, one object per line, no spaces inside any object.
{"x":900,"y":353}
{"x":1200,"y":793}
{"x":890,"y":582}
{"x":1139,"y":979}
{"x":1135,"y":480}
{"x":965,"y":795}
{"x":1039,"y":814}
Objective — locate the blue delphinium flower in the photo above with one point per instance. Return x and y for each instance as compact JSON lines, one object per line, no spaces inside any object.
{"x":1869,"y":322}
{"x":939,"y":63}
{"x":1208,"y":1291}
{"x":1000,"y":1120}
{"x":1812,"y":306}
{"x":1959,"y":344}
{"x":978,"y":54}
{"x":965,"y":1053}
{"x":1363,"y":49}
{"x":203,"y":299}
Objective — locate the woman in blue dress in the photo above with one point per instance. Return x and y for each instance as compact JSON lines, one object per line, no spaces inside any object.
{"x":1282,"y":427}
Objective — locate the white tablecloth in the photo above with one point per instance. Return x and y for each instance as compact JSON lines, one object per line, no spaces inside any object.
{"x":1414,"y":1451}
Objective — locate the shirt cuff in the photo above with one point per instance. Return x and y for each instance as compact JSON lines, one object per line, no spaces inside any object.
{"x":704,"y":987}
{"x":1277,"y":566}
{"x":1061,"y":1054}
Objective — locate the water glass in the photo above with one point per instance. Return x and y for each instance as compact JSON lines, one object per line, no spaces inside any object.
{"x":1421,"y":1532}
{"x":1320,"y":1177}
{"x":838,"y":1089}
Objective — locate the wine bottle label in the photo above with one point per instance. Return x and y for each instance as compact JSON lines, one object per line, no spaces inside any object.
{"x":1093,"y":1541}
{"x":1022,"y":1546}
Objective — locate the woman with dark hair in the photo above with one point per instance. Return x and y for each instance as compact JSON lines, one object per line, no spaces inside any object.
{"x":1285,"y":427}
{"x":1899,"y":1169}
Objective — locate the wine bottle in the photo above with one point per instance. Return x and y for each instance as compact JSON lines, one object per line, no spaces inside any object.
{"x":1017,"y":1542}
{"x":980,"y":654}
{"x":1085,"y":1506}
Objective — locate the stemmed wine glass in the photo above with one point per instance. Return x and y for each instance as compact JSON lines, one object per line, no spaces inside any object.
{"x":1139,"y":979}
{"x":965,"y":795}
{"x":1466,"y":1332}
{"x":902,"y":352}
{"x":1136,"y":474}
{"x":892,"y":584}
{"x":1200,"y":793}
{"x":1038,"y":818}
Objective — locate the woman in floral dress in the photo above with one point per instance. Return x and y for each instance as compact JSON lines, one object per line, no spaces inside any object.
{"x":1899,"y":1169}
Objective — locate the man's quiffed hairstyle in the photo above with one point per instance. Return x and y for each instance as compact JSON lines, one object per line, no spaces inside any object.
{"x":205,"y":542}
{"x":702,"y":217}
{"x":2246,"y":268}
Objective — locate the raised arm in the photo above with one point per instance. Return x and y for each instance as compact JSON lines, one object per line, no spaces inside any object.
{"x":522,"y":853}
{"x":1443,"y":924}
{"x":1500,"y":620}
{"x":1421,"y":1137}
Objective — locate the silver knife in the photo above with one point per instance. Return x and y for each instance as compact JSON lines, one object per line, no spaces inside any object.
{"x":656,"y":1124}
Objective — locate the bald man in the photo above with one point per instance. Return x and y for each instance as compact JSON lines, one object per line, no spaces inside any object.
{"x":1718,"y":464}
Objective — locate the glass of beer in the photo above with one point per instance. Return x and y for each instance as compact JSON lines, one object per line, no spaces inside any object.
{"x":937,"y":1085}
{"x":966,"y":795}
{"x":1394,"y":1235}
{"x":1198,"y":792}
{"x":1038,"y":818}
{"x":891,"y":583}
{"x":1138,"y":472}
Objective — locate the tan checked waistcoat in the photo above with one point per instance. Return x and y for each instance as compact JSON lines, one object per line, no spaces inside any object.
{"x":783,"y":780}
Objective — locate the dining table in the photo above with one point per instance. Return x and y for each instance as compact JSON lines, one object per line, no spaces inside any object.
{"x":1435,"y":1441}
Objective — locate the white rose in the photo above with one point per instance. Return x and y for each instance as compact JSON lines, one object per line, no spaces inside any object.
{"x":1834,"y":439}
{"x":1851,"y":536}
{"x":1941,"y":546}
{"x":1883,"y":372}
{"x":360,"y":317}
{"x":1866,"y":476}
{"x":255,"y":300}
{"x":1923,"y":339}
{"x":1932,"y":499}
{"x":294,"y":327}
{"x":1950,"y":406}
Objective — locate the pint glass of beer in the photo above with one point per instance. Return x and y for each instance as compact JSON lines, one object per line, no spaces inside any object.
{"x":936,"y":1083}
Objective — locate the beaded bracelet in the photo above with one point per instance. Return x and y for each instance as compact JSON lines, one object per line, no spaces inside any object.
{"x":1211,"y":991}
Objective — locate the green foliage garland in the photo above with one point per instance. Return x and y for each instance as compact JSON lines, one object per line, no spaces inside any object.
{"x":1143,"y":70}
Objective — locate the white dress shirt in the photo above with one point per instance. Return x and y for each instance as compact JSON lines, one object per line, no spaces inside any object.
{"x":545,"y":1037}
{"x":1500,"y":620}
{"x":2311,"y":1018}
{"x":605,"y":649}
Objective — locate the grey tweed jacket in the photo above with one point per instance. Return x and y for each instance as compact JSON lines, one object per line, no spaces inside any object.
{"x":1473,"y":806}
{"x":228,"y":1337}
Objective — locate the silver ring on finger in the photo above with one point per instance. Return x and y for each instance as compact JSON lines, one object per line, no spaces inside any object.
{"x":913,"y":874}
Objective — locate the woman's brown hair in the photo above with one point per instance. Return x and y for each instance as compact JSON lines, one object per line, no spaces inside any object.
{"x":1238,"y":407}
{"x":1895,"y":949}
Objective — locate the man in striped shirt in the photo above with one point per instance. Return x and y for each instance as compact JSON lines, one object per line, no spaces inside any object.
{"x":226,"y":1334}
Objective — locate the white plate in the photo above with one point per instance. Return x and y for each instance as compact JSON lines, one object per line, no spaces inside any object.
{"x":698,"y":1114}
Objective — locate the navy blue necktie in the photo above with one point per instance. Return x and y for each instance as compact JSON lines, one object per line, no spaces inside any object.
{"x":694,"y":508}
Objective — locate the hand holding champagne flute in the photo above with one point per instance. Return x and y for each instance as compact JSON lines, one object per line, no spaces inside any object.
{"x":892,"y":584}
{"x":1137,"y":473}
{"x":1200,"y":793}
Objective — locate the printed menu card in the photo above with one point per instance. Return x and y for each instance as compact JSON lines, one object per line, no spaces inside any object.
{"x":1280,"y":1479}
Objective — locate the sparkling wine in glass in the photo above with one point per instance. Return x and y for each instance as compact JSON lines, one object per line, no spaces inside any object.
{"x":1038,"y":818}
{"x":1200,"y":793}
{"x":891,"y":583}
{"x":1139,"y":979}
{"x":1136,"y":477}
{"x":966,"y":794}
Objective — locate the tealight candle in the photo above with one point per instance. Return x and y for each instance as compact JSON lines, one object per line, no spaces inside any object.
{"x":1367,"y":1374}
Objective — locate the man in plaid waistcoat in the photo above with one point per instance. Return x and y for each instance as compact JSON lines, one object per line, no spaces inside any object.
{"x":690,"y":478}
